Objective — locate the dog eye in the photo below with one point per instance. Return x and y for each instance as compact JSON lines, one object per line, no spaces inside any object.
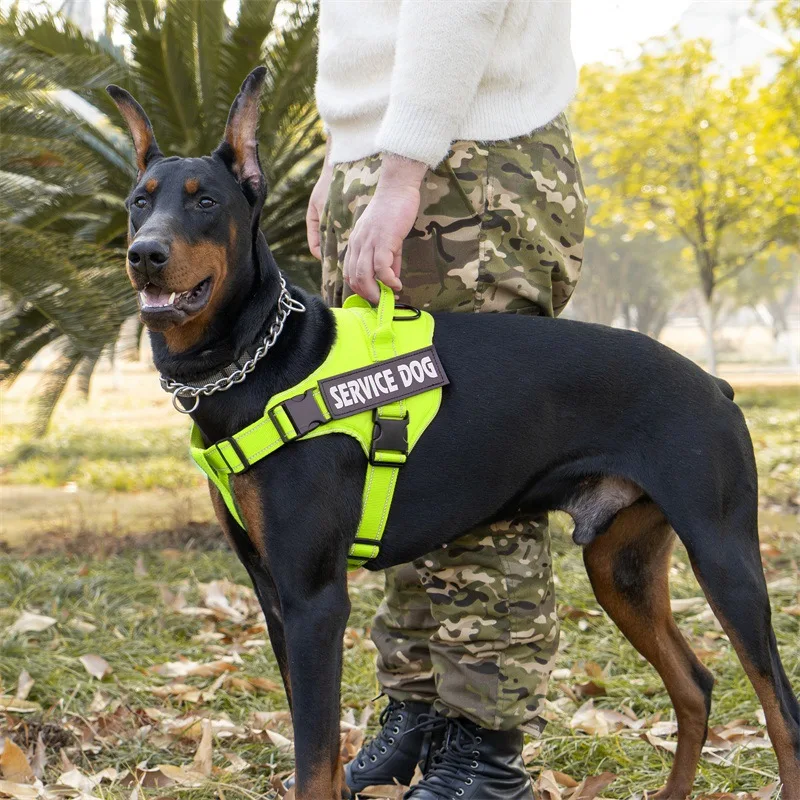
{"x":140,"y":202}
{"x":206,"y":202}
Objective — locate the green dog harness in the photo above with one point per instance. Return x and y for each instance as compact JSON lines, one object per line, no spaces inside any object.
{"x":381,"y":383}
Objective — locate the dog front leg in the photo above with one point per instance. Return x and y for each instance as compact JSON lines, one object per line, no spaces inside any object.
{"x":252,"y":558}
{"x":314,"y":622}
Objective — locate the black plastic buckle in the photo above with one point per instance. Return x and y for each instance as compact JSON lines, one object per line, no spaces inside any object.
{"x":388,"y":434}
{"x":236,"y":449}
{"x":304,"y":413}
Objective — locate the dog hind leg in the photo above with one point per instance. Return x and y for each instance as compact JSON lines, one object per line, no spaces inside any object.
{"x":628,"y":567}
{"x":728,"y":567}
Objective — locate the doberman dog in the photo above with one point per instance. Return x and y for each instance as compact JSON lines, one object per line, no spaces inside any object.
{"x":633,"y":440}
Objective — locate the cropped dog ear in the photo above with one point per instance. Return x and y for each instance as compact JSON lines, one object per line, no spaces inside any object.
{"x":144,"y":141}
{"x":239,"y":146}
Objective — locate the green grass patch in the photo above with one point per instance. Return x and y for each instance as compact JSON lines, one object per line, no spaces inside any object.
{"x":115,"y":460}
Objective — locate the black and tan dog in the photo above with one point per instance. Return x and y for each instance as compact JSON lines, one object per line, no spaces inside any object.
{"x":634,"y":441}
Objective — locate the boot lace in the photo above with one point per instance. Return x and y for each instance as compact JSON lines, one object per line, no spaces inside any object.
{"x":453,"y":764}
{"x":390,"y":730}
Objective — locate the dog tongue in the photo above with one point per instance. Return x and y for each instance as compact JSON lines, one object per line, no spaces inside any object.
{"x":156,"y":297}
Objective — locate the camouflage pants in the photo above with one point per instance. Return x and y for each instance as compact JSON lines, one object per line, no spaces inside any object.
{"x":472,"y":627}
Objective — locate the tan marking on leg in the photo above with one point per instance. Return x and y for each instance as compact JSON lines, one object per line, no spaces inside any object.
{"x":778,"y":730}
{"x":151,"y":185}
{"x":248,"y":499}
{"x":321,"y":785}
{"x":651,"y":629}
{"x":339,"y":786}
{"x":220,"y":509}
{"x":191,"y":186}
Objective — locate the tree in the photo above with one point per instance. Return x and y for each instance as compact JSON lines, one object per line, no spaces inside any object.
{"x":628,"y":276}
{"x":685,"y":154}
{"x":66,"y":162}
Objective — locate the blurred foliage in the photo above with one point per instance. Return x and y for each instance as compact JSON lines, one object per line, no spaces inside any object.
{"x":681,"y":153}
{"x":67,"y":162}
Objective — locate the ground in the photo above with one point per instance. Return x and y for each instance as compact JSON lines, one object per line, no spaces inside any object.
{"x":144,"y":654}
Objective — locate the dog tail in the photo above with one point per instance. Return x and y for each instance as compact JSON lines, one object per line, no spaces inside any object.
{"x":725,"y":388}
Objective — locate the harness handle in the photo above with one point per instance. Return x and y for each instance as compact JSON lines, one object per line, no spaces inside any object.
{"x":383,"y":336}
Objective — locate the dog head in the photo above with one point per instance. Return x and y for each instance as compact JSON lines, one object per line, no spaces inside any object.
{"x":193,"y":222}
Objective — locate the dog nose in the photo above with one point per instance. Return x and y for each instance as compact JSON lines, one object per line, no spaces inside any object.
{"x":148,"y":255}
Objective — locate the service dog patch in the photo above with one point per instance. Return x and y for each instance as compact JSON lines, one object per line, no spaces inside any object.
{"x":382,"y":383}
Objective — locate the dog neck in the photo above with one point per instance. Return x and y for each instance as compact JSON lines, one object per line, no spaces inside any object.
{"x":302,"y":346}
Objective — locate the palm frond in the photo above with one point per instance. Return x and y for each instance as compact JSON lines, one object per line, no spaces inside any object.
{"x":66,"y":163}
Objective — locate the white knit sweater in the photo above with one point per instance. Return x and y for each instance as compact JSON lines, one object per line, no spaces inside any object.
{"x":411,"y":76}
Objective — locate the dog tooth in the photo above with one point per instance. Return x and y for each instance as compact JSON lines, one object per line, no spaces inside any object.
{"x":172,"y":298}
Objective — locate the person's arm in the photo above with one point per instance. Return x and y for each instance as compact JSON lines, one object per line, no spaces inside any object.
{"x":442,"y":50}
{"x":316,"y":202}
{"x":443,"y":47}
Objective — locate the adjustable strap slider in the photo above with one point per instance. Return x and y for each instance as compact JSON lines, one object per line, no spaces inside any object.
{"x":389,"y":445}
{"x":303,"y":412}
{"x":237,"y":451}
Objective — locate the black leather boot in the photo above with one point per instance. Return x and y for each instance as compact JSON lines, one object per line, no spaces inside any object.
{"x":396,"y":750}
{"x":474,"y":763}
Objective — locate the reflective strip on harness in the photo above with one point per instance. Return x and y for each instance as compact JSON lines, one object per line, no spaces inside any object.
{"x":380,"y":384}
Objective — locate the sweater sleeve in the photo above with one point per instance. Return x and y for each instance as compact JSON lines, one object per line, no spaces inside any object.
{"x":443,"y":47}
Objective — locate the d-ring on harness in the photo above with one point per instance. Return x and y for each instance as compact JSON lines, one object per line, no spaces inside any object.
{"x":381,"y":383}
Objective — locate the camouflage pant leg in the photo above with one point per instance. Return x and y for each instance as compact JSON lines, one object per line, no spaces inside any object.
{"x":402,"y":631}
{"x":500,"y":228}
{"x":493,"y":598}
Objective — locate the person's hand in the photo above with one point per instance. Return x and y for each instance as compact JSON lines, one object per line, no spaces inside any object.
{"x":375,"y":246}
{"x":319,"y":196}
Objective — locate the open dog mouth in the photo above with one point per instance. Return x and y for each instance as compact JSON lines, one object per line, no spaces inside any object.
{"x":154,"y":298}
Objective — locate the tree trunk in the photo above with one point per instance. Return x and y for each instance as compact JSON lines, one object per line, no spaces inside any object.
{"x":51,"y":385}
{"x":710,"y":324}
{"x":84,"y":374}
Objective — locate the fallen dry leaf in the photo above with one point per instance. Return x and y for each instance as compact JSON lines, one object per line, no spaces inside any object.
{"x":387,"y":792}
{"x":264,"y":719}
{"x":589,"y":689}
{"x":14,"y":764}
{"x":95,"y":665}
{"x":16,"y":706}
{"x":182,"y":691}
{"x":185,"y":669}
{"x":86,"y":783}
{"x":602,"y":721}
{"x":18,"y":791}
{"x":28,"y":622}
{"x":659,"y":743}
{"x":591,"y":787}
{"x":237,"y":763}
{"x":202,"y":758}
{"x":279,"y":741}
{"x":530,"y":751}
{"x":182,"y":775}
{"x":351,"y":740}
{"x":547,"y":787}
{"x":24,"y":685}
{"x":39,"y":757}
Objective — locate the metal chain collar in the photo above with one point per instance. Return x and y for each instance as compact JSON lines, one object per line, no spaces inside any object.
{"x":286,"y":304}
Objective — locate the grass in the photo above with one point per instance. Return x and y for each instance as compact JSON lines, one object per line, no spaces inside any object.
{"x":122,"y":607}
